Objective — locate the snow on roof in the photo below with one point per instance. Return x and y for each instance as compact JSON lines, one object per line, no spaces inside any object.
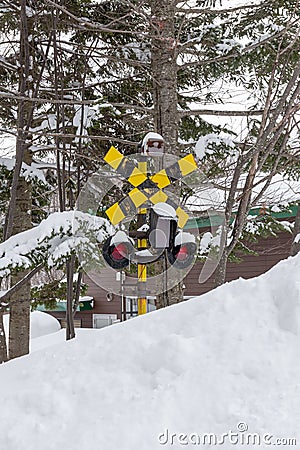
{"x":86,"y":298}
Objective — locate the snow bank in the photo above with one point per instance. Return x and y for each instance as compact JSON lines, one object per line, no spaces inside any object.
{"x":41,"y":324}
{"x":228,"y":360}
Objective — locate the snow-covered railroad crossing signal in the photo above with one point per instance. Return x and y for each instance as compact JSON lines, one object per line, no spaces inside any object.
{"x":146,"y":189}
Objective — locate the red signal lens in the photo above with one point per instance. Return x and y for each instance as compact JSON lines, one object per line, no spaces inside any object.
{"x":119,"y":252}
{"x":182,"y":253}
{"x":117,"y":255}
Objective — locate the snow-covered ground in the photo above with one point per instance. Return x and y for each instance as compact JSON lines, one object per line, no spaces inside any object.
{"x":228,"y":360}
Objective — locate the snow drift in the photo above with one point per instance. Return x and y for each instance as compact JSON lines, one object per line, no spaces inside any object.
{"x":228,"y":360}
{"x":41,"y":324}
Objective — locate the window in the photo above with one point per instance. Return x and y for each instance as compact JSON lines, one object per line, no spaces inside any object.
{"x":77,"y":323}
{"x":103,"y":320}
{"x":132,"y":306}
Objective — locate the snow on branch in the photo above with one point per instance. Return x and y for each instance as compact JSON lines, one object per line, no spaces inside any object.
{"x":28,"y":172}
{"x":53,"y":241}
{"x":208,"y":143}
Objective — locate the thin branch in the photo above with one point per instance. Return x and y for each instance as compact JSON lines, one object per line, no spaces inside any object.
{"x":70,"y":102}
{"x":17,"y":96}
{"x":7,"y":65}
{"x":216,"y":12}
{"x":209,"y":112}
{"x":5,"y":298}
{"x":4,"y":130}
{"x":84,"y":136}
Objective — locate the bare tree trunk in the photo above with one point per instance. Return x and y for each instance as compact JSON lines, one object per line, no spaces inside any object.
{"x":3,"y":346}
{"x":271,"y":130}
{"x":10,"y":297}
{"x":19,"y":323}
{"x":19,"y":217}
{"x":295,"y":248}
{"x":70,"y":328}
{"x":77,"y":293}
{"x":220,"y":273}
{"x":58,"y":79}
{"x":164,"y":71}
{"x":19,"y":319}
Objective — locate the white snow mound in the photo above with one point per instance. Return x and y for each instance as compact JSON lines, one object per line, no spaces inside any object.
{"x":41,"y":324}
{"x":208,"y":365}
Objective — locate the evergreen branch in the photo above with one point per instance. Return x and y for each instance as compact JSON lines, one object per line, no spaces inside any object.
{"x":235,"y":54}
{"x":86,"y":24}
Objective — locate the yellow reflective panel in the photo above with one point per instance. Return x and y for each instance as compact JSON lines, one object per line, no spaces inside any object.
{"x":142,"y":272}
{"x":113,"y":157}
{"x":142,"y":165}
{"x":115,"y":214}
{"x":142,"y":306}
{"x":159,"y":197}
{"x":182,"y":217}
{"x":137,"y":177}
{"x":137,"y":197}
{"x":161,"y":179}
{"x":187,"y":165}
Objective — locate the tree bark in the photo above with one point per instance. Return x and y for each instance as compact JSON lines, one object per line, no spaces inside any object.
{"x":240,"y":218}
{"x":19,"y":217}
{"x":70,"y":328}
{"x":220,"y":273}
{"x":3,"y":346}
{"x":19,"y":319}
{"x":164,"y":71}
